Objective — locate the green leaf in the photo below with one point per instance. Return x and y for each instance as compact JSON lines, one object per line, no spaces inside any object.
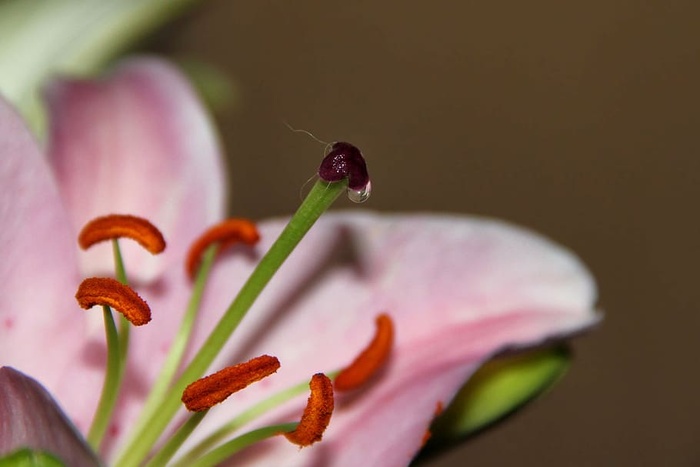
{"x":29,"y":458}
{"x":496,"y":390}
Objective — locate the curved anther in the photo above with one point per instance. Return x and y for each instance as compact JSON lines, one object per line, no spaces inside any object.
{"x":226,"y":233}
{"x":206,"y":392}
{"x":115,"y":226}
{"x":371,"y":359}
{"x":109,"y":292}
{"x":317,"y":414}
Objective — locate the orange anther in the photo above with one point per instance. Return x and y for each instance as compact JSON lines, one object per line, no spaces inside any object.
{"x":439,"y":408}
{"x":226,"y":233}
{"x":317,"y":414}
{"x":426,"y":436}
{"x":206,"y":392}
{"x":371,"y":359}
{"x":118,"y":225}
{"x":105,"y":291}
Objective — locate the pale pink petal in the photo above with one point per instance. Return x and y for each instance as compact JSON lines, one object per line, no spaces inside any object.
{"x":42,"y":330}
{"x":140,"y":143}
{"x":459,"y":290}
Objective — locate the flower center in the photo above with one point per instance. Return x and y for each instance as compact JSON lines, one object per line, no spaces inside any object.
{"x":182,"y":382}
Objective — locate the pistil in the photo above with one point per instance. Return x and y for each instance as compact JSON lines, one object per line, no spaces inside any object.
{"x":347,"y":172}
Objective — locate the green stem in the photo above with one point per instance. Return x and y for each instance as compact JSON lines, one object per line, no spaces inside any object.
{"x":318,"y":201}
{"x":226,"y":450}
{"x":177,"y":350}
{"x":174,"y":443}
{"x":110,"y":389}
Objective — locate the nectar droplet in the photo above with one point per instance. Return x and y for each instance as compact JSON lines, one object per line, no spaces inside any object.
{"x":361,"y":195}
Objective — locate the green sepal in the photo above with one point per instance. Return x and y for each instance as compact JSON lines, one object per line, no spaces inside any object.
{"x":27,"y":458}
{"x":498,"y":389}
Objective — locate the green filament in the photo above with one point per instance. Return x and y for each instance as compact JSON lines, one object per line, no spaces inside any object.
{"x":230,"y":448}
{"x":319,"y":199}
{"x":174,"y":359}
{"x":110,"y":389}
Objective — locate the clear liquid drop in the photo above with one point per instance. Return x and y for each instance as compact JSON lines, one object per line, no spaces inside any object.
{"x":361,"y":195}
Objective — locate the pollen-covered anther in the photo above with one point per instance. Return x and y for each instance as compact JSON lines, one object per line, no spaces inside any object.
{"x":317,"y":414}
{"x":371,"y":359}
{"x":206,"y":392}
{"x":226,"y":234}
{"x":106,"y":291}
{"x":116,"y":226}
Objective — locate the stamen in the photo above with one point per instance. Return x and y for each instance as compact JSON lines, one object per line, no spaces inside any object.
{"x":227,"y":233}
{"x":371,"y":359}
{"x":109,"y":292}
{"x":119,"y":225}
{"x":143,"y":438}
{"x":345,"y":161}
{"x":317,"y":414}
{"x":206,"y":392}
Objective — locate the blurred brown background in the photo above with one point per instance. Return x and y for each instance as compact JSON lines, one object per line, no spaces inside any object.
{"x":578,"y":119}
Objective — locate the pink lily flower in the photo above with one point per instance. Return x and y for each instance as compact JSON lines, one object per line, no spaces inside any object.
{"x":458,"y":289}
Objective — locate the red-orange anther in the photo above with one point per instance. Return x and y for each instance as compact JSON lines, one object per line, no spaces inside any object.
{"x":317,"y":414}
{"x":105,"y":291}
{"x":428,"y":434}
{"x":426,"y":437}
{"x":226,"y":233}
{"x":119,"y":225}
{"x":439,"y":408}
{"x":206,"y":392}
{"x":371,"y":359}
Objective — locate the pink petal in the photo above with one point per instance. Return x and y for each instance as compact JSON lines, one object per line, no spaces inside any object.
{"x":459,"y":291}
{"x":30,"y":418}
{"x":140,"y":143}
{"x":41,"y":328}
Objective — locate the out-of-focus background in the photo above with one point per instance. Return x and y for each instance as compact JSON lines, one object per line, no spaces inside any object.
{"x":578,"y":119}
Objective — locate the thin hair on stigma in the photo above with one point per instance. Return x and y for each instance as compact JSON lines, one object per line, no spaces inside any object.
{"x":325,"y":151}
